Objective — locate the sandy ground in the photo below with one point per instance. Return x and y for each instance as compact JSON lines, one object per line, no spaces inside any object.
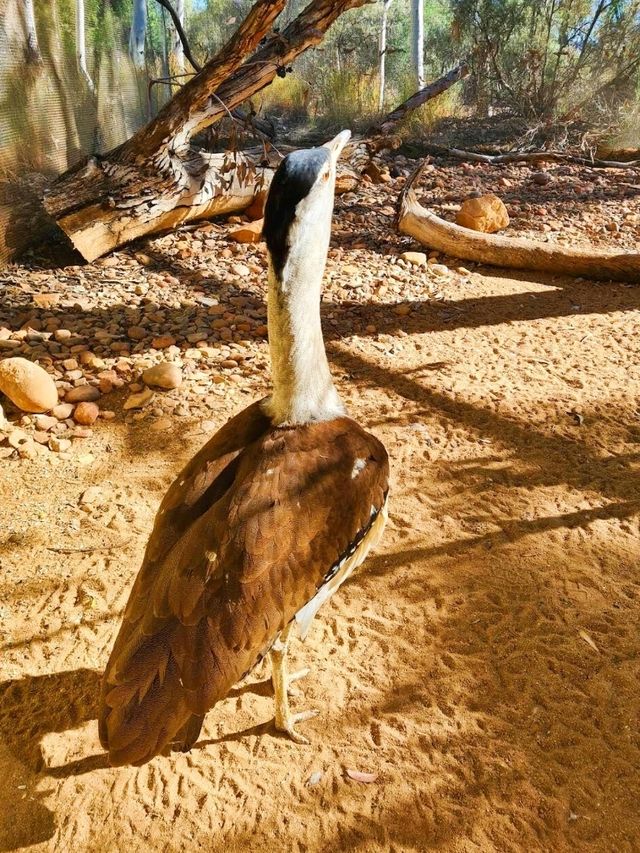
{"x":485,"y":662}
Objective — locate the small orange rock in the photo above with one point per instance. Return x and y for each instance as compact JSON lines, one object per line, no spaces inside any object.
{"x":256,"y":208}
{"x":249,"y":233}
{"x":163,"y":342}
{"x":86,"y":413}
{"x":487,"y":214}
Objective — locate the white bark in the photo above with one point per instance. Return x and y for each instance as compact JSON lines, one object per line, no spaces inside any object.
{"x":138,"y":32}
{"x":81,"y":47}
{"x":383,"y":51}
{"x":177,"y":49}
{"x":33,"y":47}
{"x":417,"y":10}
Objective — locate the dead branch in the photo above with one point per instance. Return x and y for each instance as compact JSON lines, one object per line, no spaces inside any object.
{"x":157,"y":180}
{"x":513,"y":252}
{"x":432,"y":90}
{"x":527,"y":157}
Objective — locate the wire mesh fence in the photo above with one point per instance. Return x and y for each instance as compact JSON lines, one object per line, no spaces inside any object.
{"x":64,"y":94}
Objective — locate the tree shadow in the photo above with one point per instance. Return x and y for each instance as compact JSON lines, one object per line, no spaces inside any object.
{"x":563,"y":298}
{"x":30,"y":708}
{"x":613,"y":480}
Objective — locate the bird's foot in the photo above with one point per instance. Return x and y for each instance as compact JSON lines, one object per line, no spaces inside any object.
{"x":288,"y":724}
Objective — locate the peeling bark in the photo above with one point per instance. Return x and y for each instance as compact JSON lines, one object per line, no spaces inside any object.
{"x":512,"y":252}
{"x":156,"y":179}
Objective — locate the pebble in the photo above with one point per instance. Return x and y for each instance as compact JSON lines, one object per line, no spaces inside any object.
{"x":86,"y":413}
{"x":82,"y":394}
{"x":162,"y":424}
{"x":163,"y":342}
{"x":416,"y":259}
{"x":139,"y":401}
{"x":92,"y":495}
{"x":59,"y":445}
{"x":163,"y":375}
{"x":439,"y":269}
{"x":486,"y":213}
{"x":62,"y":411}
{"x":241,"y":270}
{"x":136,"y":333}
{"x":45,"y":422}
{"x":251,"y":232}
{"x":18,"y":438}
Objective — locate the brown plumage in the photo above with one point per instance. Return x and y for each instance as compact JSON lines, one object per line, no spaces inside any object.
{"x":260,"y":527}
{"x":242,"y":541}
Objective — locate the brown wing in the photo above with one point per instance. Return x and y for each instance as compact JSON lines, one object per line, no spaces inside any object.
{"x":215,"y":590}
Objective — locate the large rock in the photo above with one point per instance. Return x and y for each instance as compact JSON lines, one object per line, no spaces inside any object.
{"x":27,"y":385}
{"x":486,"y":213}
{"x":164,"y":375}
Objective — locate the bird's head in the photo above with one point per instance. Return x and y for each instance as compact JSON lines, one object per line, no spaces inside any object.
{"x":297,"y":218}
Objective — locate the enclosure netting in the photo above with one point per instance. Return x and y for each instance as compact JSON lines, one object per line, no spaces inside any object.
{"x":49,"y":116}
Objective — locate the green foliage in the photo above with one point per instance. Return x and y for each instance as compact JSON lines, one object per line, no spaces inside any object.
{"x":543,"y":59}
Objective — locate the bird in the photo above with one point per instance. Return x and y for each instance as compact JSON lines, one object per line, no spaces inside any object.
{"x":264,"y":523}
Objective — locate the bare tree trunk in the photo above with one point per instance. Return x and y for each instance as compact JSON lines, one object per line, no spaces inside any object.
{"x":81,"y":49}
{"x":32,"y":47}
{"x":138,"y":33}
{"x":383,"y":51}
{"x":417,"y":14}
{"x":176,"y":61}
{"x":157,"y":179}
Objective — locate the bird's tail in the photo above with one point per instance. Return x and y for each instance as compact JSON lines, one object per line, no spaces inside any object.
{"x":143,"y":709}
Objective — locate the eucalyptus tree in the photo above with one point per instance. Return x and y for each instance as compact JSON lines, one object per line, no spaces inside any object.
{"x":417,"y":16}
{"x":81,"y":47}
{"x":32,"y":47}
{"x":138,"y":33}
{"x":383,"y":51}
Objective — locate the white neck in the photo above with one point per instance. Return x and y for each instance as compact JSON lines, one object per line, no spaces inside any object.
{"x":303,"y":390}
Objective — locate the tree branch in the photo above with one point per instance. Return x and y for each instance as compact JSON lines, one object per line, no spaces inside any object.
{"x":432,"y":90}
{"x":177,"y":23}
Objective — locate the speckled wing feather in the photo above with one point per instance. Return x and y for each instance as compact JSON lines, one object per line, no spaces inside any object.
{"x":242,"y":541}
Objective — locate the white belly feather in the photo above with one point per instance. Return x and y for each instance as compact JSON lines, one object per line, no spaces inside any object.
{"x":345,"y":568}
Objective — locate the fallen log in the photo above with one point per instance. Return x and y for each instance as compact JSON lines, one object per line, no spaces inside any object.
{"x":527,"y":157}
{"x":157,"y":179}
{"x":513,"y":252}
{"x":430,"y":91}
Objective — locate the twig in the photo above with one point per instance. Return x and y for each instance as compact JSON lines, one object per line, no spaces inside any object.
{"x":87,"y":549}
{"x":528,"y":157}
{"x":181,"y":34}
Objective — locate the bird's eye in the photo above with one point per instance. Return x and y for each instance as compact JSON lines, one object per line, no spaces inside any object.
{"x":326,"y":176}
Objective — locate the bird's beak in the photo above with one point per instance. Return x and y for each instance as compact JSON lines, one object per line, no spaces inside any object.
{"x":337,"y":144}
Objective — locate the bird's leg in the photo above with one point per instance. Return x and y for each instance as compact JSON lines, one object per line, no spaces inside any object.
{"x":285,"y":720}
